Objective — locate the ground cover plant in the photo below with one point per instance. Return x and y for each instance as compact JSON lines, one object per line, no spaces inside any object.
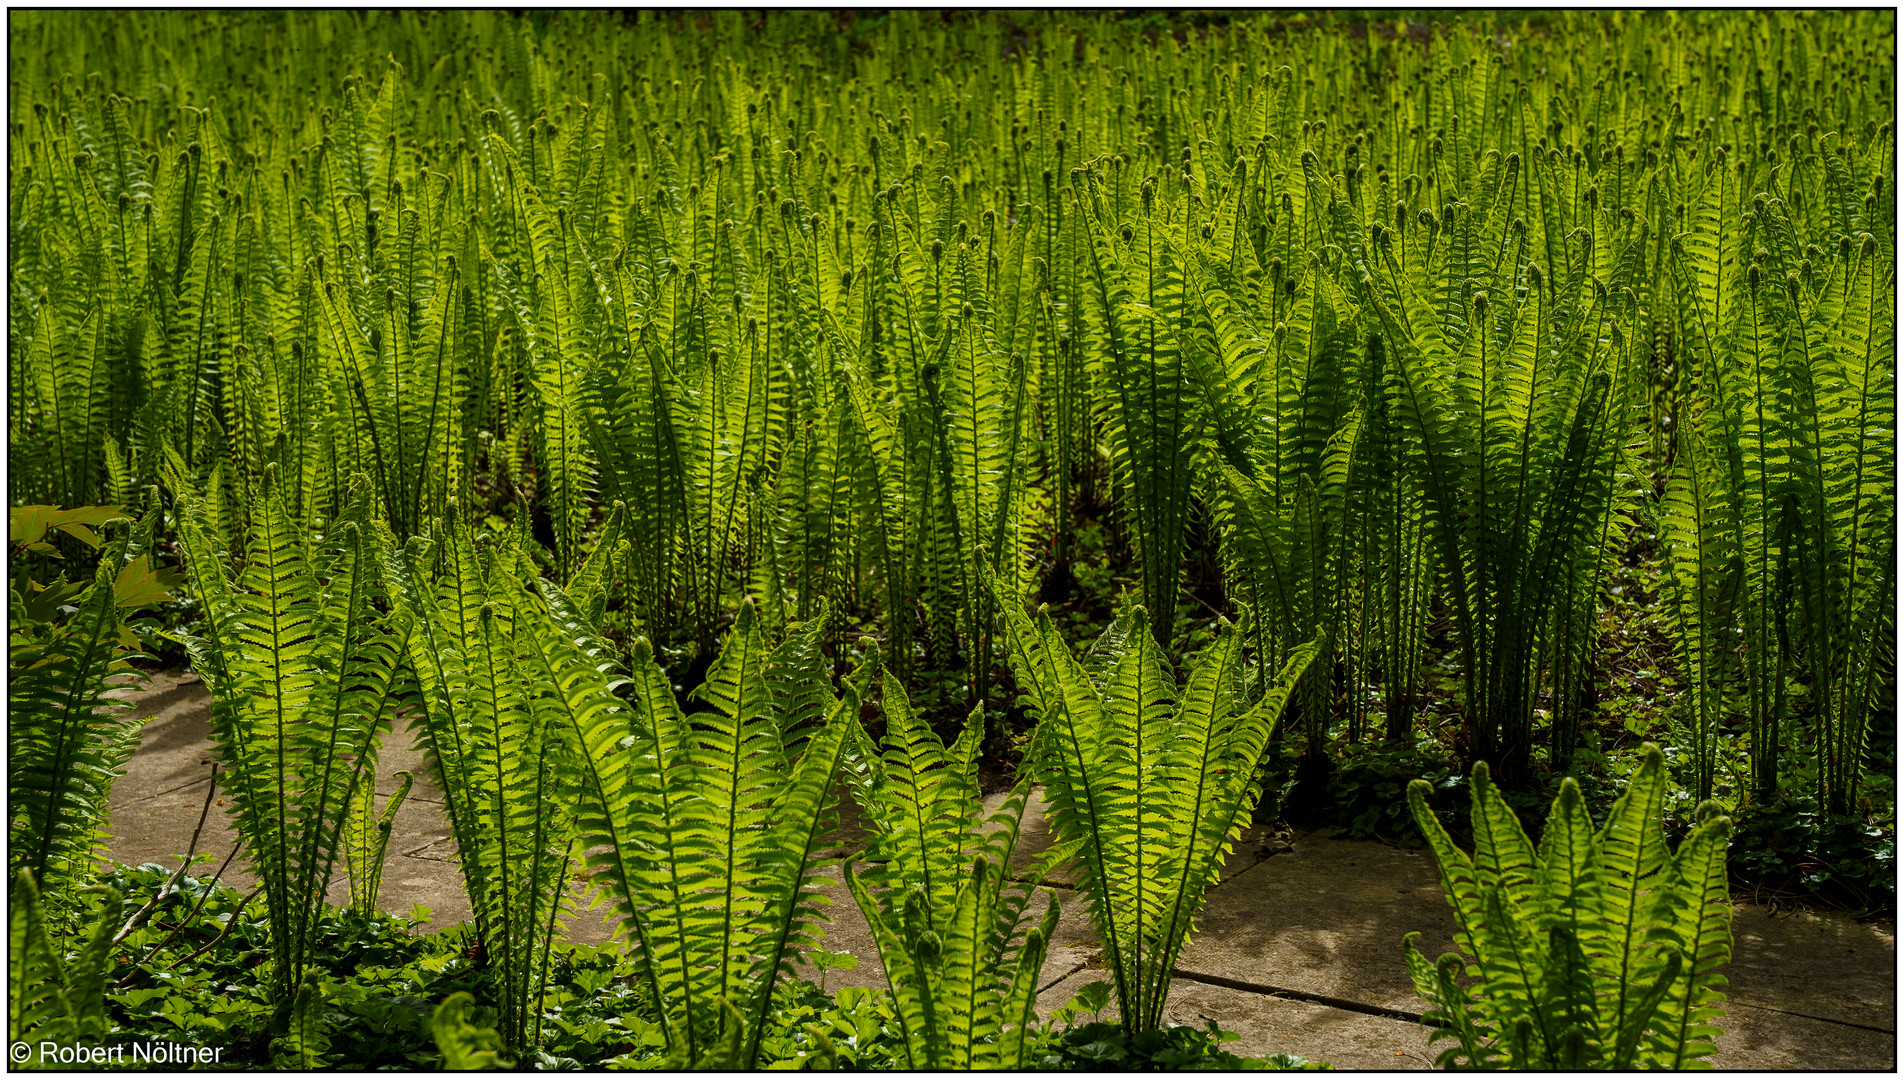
{"x":678,"y":424}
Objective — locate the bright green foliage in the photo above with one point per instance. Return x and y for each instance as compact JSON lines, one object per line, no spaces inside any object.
{"x":847,"y":313}
{"x":51,"y":996}
{"x":499,"y":693}
{"x":1149,"y":784}
{"x":301,"y":670}
{"x":367,"y":841}
{"x":710,"y":821}
{"x":933,"y":886}
{"x":465,"y":1047}
{"x":67,"y":742}
{"x":399,"y":378}
{"x":1515,"y":382}
{"x":1142,"y":347}
{"x":1785,"y":511}
{"x":1600,"y":950}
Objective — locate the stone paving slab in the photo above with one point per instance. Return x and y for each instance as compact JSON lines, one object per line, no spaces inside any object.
{"x":1267,"y":1024}
{"x":1326,"y":917}
{"x":175,"y":747}
{"x":401,"y":750}
{"x":1760,"y":1039}
{"x":437,"y":884}
{"x":1274,"y":1025}
{"x":158,"y":829}
{"x":1828,"y":967}
{"x":1298,"y":949}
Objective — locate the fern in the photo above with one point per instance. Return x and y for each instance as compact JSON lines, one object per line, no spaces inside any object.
{"x":1519,"y":425}
{"x":707,"y":825}
{"x":636,"y":434}
{"x":1599,"y":950}
{"x":367,"y":841}
{"x":300,"y":670}
{"x":1151,"y":783}
{"x":559,"y":347}
{"x":54,"y":998}
{"x":1706,"y":577}
{"x":947,"y":919}
{"x":1292,"y":564}
{"x":1145,"y":330}
{"x":845,"y":332}
{"x":494,"y":709}
{"x":304,"y":1044}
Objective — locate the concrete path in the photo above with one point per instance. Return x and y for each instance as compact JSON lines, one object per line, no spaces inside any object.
{"x":1297,"y":951}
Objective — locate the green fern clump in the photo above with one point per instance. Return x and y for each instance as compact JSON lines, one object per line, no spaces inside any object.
{"x":67,"y":741}
{"x":302,"y":669}
{"x":935,"y":885}
{"x":1782,"y":508}
{"x":1149,"y":783}
{"x":501,"y":688}
{"x":1143,"y":335}
{"x":1601,"y":949}
{"x":710,"y":821}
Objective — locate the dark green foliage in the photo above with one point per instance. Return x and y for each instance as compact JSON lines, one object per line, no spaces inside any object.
{"x":52,"y":997}
{"x":381,"y":979}
{"x":1788,"y":845}
{"x":1102,"y":1046}
{"x":1369,"y":788}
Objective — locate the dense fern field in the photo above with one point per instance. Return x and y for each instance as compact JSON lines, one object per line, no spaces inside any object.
{"x":675,"y":422}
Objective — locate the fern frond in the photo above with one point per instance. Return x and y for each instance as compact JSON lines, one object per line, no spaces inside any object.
{"x":53,"y":998}
{"x":500,"y":692}
{"x":947,"y":924}
{"x":1600,"y":951}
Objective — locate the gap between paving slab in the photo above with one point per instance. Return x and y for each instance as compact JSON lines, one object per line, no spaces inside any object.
{"x":1298,"y":948}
